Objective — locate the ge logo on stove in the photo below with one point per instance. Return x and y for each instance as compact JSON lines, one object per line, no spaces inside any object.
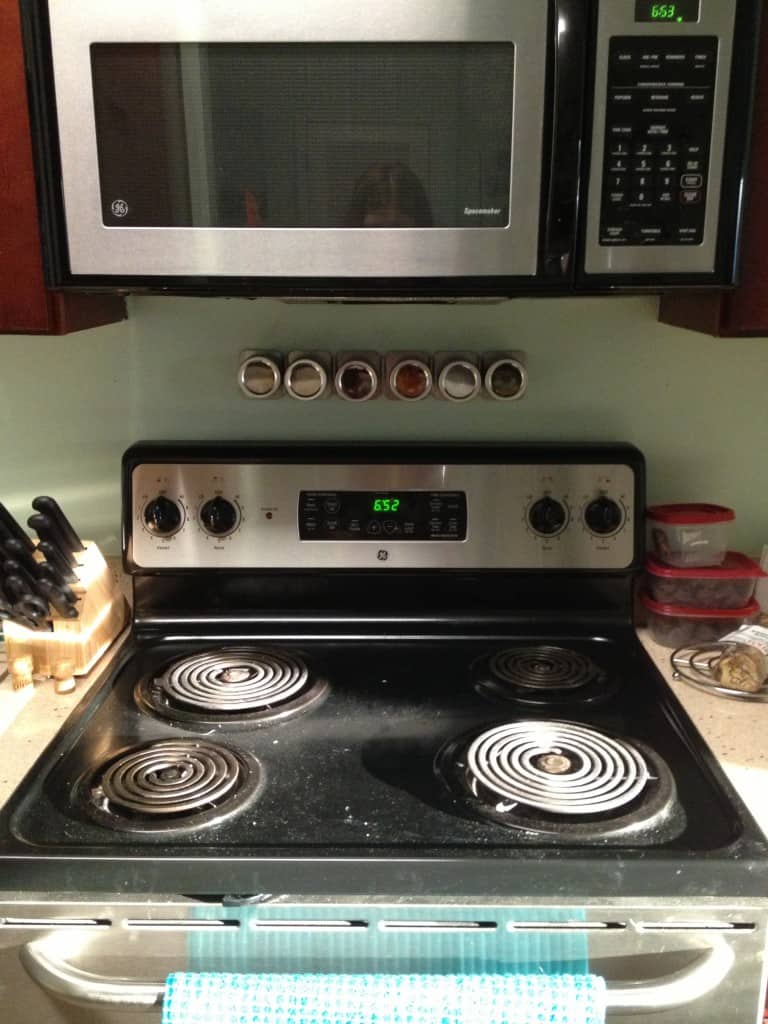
{"x":383,"y":555}
{"x":120,"y":208}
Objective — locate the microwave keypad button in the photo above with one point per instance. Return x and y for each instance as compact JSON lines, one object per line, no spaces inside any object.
{"x":669,"y":149}
{"x":622,"y":99}
{"x":617,"y":198}
{"x":617,"y":181}
{"x":644,"y":149}
{"x":644,"y":181}
{"x":621,"y":131}
{"x":643,"y":166}
{"x":699,"y":98}
{"x":694,"y":166}
{"x":619,"y":149}
{"x":659,"y":130}
{"x":691,"y":197}
{"x":692,"y":181}
{"x":694,"y":149}
{"x":666,"y":198}
{"x":668,"y":165}
{"x":642,"y":196}
{"x":667,"y":181}
{"x":618,"y":166}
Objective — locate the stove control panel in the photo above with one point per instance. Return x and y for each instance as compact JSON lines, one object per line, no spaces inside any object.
{"x":404,"y":516}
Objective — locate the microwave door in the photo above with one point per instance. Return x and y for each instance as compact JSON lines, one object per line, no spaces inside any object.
{"x":301,"y":140}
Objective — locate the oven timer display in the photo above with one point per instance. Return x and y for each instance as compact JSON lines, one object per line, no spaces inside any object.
{"x":383,"y":515}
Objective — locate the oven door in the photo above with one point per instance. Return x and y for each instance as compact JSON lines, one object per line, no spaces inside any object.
{"x":703,"y":962}
{"x":307,"y":140}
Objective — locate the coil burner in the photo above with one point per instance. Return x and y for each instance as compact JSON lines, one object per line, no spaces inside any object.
{"x":172,"y":786}
{"x":239,"y":686}
{"x":541,"y":675}
{"x":562,"y":779}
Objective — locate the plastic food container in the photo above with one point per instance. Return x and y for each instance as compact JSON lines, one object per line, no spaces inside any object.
{"x":689,"y":535}
{"x":730,"y":585}
{"x":677,"y":625}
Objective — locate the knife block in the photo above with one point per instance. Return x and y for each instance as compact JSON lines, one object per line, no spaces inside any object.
{"x":102,"y":614}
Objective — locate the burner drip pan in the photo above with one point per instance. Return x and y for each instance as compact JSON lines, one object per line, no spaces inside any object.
{"x":236,"y":686}
{"x":541,"y":675}
{"x":562,"y":780}
{"x":170,"y":786}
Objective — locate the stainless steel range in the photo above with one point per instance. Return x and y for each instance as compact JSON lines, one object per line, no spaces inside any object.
{"x":384,"y":709}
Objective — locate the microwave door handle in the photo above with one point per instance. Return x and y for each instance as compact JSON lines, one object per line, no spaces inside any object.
{"x":566,"y":91}
{"x":59,"y":978}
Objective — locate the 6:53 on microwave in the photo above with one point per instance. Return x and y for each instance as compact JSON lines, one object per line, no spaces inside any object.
{"x":445,"y":148}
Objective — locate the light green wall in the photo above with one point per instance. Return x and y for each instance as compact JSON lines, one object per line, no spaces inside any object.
{"x":601,"y":369}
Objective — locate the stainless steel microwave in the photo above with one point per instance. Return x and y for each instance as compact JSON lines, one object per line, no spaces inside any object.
{"x":444,"y":148}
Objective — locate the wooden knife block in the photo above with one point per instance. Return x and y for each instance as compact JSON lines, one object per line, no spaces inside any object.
{"x":102,"y":610}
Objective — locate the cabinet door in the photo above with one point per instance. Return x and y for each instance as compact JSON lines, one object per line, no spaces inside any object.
{"x":745,"y":311}
{"x":26,"y":306}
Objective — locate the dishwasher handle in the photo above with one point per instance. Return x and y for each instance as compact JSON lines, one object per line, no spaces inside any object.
{"x":59,"y":978}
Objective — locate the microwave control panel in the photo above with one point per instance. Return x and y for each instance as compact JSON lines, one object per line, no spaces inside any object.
{"x":659,"y":155}
{"x":657,"y":140}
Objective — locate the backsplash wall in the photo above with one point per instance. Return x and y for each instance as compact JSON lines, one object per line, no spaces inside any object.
{"x":600,"y":369}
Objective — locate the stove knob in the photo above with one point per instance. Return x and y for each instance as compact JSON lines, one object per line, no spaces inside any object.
{"x":162,"y":516}
{"x":218,"y":516}
{"x":603,"y":516}
{"x":547,"y":516}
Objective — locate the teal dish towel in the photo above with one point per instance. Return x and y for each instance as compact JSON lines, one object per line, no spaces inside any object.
{"x":208,"y":998}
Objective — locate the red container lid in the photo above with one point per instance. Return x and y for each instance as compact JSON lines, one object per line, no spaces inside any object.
{"x":681,"y":611}
{"x":682,"y":515}
{"x":735,"y":567}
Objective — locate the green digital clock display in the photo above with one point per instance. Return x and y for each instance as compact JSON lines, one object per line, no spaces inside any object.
{"x":386,"y":504}
{"x":678,"y":13}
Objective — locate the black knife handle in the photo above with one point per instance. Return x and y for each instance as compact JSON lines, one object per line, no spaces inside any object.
{"x":57,"y":560}
{"x":29,"y":605}
{"x":13,"y":528}
{"x":45,"y":528}
{"x":51,"y":508}
{"x":57,"y":599}
{"x":17,"y":551}
{"x":46,"y":571}
{"x":13,"y":568}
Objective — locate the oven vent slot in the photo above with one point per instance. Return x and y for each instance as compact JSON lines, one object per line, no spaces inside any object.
{"x":289,"y":925}
{"x":565,"y":926}
{"x":438,"y":926}
{"x":50,"y":923}
{"x":182,"y":925}
{"x":695,"y":926}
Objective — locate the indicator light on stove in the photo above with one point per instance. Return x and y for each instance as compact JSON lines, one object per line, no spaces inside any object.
{"x":218,"y":517}
{"x":548,"y":517}
{"x":411,"y":380}
{"x":163,"y":517}
{"x":603,"y":516}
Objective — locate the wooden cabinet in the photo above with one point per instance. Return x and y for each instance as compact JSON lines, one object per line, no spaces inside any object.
{"x":742,"y":312}
{"x":26,"y":306}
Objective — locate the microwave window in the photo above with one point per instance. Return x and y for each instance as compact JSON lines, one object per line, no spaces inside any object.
{"x":305,"y":135}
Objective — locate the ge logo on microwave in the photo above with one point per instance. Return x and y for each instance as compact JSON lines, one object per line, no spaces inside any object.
{"x":120,"y":208}
{"x":383,"y":555}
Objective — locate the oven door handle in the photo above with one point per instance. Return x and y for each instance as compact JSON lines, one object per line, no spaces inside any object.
{"x":59,"y":978}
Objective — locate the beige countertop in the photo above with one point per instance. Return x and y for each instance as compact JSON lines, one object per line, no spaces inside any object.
{"x":736,"y":731}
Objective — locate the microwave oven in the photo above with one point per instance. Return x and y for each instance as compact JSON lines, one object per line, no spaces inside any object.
{"x":439,"y":149}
